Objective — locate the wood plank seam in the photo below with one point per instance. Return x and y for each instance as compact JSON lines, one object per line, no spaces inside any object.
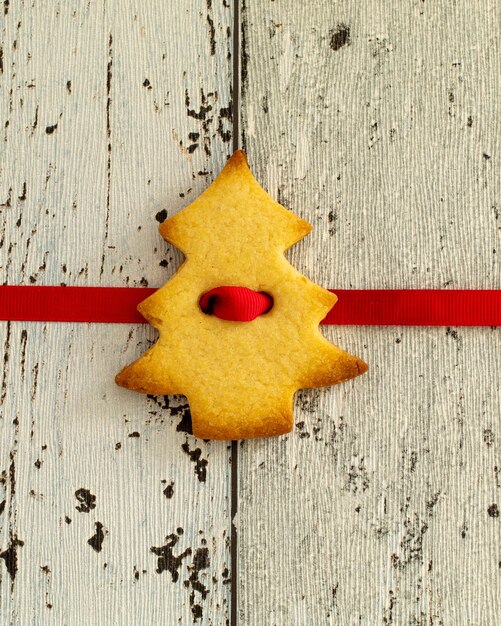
{"x":234,"y":444}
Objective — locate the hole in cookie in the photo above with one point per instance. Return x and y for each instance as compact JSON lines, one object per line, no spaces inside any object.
{"x":270,"y":301}
{"x":236,"y":304}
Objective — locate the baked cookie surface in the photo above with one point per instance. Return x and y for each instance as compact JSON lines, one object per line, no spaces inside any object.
{"x":239,"y":377}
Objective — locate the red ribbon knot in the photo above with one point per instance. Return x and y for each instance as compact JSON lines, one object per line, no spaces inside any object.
{"x":235,"y":304}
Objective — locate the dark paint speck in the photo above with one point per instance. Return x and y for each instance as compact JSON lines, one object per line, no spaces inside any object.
{"x":340,"y":37}
{"x":493,"y":510}
{"x":96,"y":541}
{"x":161,"y":216}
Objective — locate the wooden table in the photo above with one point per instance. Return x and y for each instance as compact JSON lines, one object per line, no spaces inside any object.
{"x":380,"y":123}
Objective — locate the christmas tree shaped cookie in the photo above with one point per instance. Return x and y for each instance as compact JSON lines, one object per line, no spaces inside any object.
{"x":240,"y":377}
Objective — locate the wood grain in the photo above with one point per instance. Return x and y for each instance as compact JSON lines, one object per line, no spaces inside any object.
{"x":113,"y":114}
{"x":380,"y":124}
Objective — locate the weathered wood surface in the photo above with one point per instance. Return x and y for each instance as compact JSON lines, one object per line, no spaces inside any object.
{"x":111,"y":113}
{"x":380,"y":123}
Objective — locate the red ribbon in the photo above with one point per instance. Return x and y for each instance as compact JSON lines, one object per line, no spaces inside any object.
{"x":374,"y":307}
{"x":238,"y":304}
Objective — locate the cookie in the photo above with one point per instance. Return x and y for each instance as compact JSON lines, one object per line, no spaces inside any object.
{"x":239,"y":377}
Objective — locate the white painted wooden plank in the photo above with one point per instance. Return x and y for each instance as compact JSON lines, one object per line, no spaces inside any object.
{"x":114,"y":113}
{"x":380,"y":124}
